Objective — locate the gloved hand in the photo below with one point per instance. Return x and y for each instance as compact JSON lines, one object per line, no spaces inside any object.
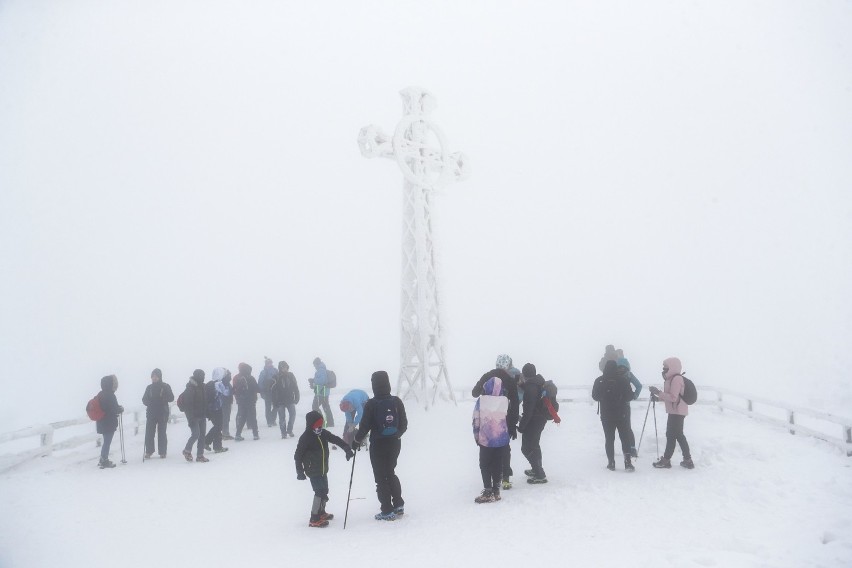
{"x":301,"y":476}
{"x":356,"y":445}
{"x":513,"y":433}
{"x":654,"y":390}
{"x":349,"y":454}
{"x":521,"y":430}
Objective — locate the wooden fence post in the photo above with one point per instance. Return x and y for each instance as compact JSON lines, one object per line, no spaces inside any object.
{"x":791,"y":418}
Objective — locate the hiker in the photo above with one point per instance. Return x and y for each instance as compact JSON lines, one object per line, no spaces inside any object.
{"x":677,"y":409}
{"x":609,"y":355}
{"x":214,"y":397}
{"x":503,"y":371}
{"x":224,"y":388}
{"x":624,"y":369}
{"x":312,"y":462}
{"x":493,"y":426}
{"x":612,"y":390}
{"x":352,"y":407}
{"x":385,"y":421}
{"x":156,"y":399}
{"x":285,"y":397}
{"x":245,"y":394}
{"x":194,"y":406}
{"x":320,"y":385}
{"x":107,"y":425}
{"x":265,"y":380}
{"x":532,"y":423}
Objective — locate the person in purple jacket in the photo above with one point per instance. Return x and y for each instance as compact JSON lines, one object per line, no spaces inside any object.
{"x":677,"y":409}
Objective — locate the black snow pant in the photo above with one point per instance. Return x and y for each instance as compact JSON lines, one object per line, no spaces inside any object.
{"x":610,"y":425}
{"x":214,"y":434}
{"x":158,"y":424}
{"x":383,"y":456}
{"x":507,"y":463}
{"x":630,"y":434}
{"x":491,"y":462}
{"x":246,"y":414}
{"x":531,"y":445}
{"x":674,"y":433}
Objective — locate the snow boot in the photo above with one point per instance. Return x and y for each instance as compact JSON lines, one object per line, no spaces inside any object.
{"x":105,"y":464}
{"x":487,"y":496}
{"x":148,"y":455}
{"x":207,"y":448}
{"x":634,"y":453}
{"x":611,"y":465}
{"x":529,"y":473}
{"x":187,"y":455}
{"x":663,"y":463}
{"x":687,"y":463}
{"x":326,"y":516}
{"x":389,"y":516}
{"x":399,"y":511}
{"x":628,"y":466}
{"x":256,"y":437}
{"x":201,"y":459}
{"x":239,"y":438}
{"x":227,"y":437}
{"x":317,"y":522}
{"x":537,"y":480}
{"x":220,"y":450}
{"x":507,"y":484}
{"x":162,"y":456}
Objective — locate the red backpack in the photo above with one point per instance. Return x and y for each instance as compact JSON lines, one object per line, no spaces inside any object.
{"x":94,"y":410}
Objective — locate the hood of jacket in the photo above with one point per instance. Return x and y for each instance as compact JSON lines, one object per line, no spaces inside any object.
{"x":219,"y":373}
{"x":245,"y":369}
{"x":312,"y":417}
{"x":674,"y":367}
{"x":493,"y":386}
{"x":622,"y":362}
{"x":109,"y":383}
{"x":610,"y":369}
{"x":381,"y":383}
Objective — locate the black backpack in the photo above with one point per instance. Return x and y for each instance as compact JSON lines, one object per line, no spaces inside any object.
{"x":612,"y":394}
{"x":214,"y":403}
{"x":386,"y":417}
{"x":331,"y":381}
{"x":690,"y":393}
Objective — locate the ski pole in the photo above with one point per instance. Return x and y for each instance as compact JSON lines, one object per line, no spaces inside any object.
{"x":656,"y":436}
{"x":642,"y":435}
{"x":349,"y":495}
{"x":121,"y":436}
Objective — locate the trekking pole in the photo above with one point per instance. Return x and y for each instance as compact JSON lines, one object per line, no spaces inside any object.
{"x":349,"y":495}
{"x":642,"y":435}
{"x":121,"y":436}
{"x":656,"y":436}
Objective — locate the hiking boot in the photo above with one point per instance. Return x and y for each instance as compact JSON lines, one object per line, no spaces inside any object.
{"x":611,"y":465}
{"x":201,"y":459}
{"x":227,"y":437}
{"x":105,"y":464}
{"x":634,"y":453}
{"x":628,"y":465}
{"x":389,"y":516}
{"x":663,"y":463}
{"x":537,"y":480}
{"x":495,"y":495}
{"x":239,"y":439}
{"x":687,"y":463}
{"x":317,"y":522}
{"x":507,"y":484}
{"x":187,"y":455}
{"x":220,"y":450}
{"x":487,"y":496}
{"x":291,"y":434}
{"x":399,"y":511}
{"x":529,"y":472}
{"x":148,"y":456}
{"x":162,"y":456}
{"x":326,"y":516}
{"x":256,"y":437}
{"x":207,"y":448}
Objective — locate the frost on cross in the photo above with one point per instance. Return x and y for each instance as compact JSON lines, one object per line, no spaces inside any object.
{"x":419,"y":148}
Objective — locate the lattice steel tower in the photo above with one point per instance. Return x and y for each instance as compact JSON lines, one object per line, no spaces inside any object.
{"x":420,"y":149}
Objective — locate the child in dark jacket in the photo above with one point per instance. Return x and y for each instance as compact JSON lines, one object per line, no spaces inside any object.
{"x":312,"y":462}
{"x":109,"y":423}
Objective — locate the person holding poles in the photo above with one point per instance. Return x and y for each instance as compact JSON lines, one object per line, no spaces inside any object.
{"x":677,"y":410}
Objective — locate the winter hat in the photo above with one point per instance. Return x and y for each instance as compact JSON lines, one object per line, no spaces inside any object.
{"x":283,"y":366}
{"x":198,"y":375}
{"x":503,"y":361}
{"x":622,"y":362}
{"x":311,"y":418}
{"x":317,"y":361}
{"x":528,"y":370}
{"x":346,"y":406}
{"x":611,"y":368}
{"x":267,"y":361}
{"x":157,"y":373}
{"x":219,"y":373}
{"x":245,"y":369}
{"x":381,"y":383}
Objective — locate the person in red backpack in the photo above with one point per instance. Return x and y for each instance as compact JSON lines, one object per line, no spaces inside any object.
{"x":677,"y":409}
{"x":195,"y":408}
{"x":107,"y":425}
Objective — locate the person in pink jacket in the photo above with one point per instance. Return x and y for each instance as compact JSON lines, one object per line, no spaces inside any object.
{"x":677,"y":409}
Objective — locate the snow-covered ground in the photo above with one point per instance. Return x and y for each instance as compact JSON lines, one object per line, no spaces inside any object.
{"x":758,"y":497}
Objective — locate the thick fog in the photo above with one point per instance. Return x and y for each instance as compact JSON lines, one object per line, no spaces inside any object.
{"x":181,"y":187}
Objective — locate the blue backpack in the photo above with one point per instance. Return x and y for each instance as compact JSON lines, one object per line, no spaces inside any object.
{"x":386,"y":417}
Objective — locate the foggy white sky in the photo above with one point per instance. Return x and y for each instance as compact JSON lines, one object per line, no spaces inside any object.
{"x":180,"y":187}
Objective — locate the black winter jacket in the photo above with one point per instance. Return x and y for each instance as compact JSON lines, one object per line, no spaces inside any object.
{"x":157,"y":398}
{"x":245,"y":389}
{"x":312,"y":450}
{"x":534,"y":409}
{"x":194,"y":400}
{"x":614,"y":394}
{"x":110,"y":406}
{"x":284,"y":390}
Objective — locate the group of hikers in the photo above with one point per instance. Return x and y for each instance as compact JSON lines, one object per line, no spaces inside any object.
{"x":509,"y":402}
